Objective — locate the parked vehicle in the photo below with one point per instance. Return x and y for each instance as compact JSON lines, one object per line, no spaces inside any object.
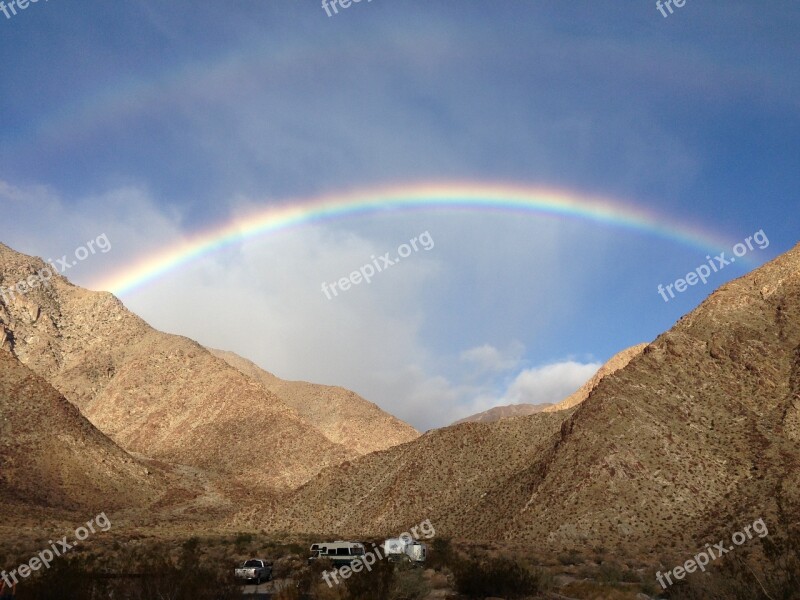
{"x":338,"y":552}
{"x":255,"y":569}
{"x":402,"y":548}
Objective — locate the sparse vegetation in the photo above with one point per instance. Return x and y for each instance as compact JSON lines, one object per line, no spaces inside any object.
{"x":743,"y":576}
{"x":441,"y":552}
{"x":498,"y":576}
{"x":409,"y":584}
{"x":152,"y":578}
{"x":572,"y":557}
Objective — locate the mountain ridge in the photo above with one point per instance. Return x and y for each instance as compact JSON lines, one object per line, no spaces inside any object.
{"x":158,"y":394}
{"x":683,"y":443}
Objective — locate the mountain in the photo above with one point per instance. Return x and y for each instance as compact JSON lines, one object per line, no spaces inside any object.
{"x":341,"y":415}
{"x":51,"y":456}
{"x":161,"y":395}
{"x":444,"y":475}
{"x":614,"y":364}
{"x":507,"y":411}
{"x":697,"y":436}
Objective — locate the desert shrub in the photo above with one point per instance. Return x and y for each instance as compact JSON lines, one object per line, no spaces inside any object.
{"x":495,"y":577}
{"x":242,"y":541}
{"x":288,"y":593}
{"x":144,"y":576}
{"x":441,"y":553}
{"x":292,"y":591}
{"x":774,"y":577}
{"x":409,"y":584}
{"x":738,"y":580}
{"x":572,"y":557}
{"x":437,"y":580}
{"x":371,"y":585}
{"x":307,"y":577}
{"x":295,"y":548}
{"x":593,"y":590}
{"x":287,"y":566}
{"x":321,"y":591}
{"x":191,"y":546}
{"x":65,"y":579}
{"x":609,"y":572}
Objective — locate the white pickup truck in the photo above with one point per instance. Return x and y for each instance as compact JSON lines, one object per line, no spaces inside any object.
{"x":255,"y":569}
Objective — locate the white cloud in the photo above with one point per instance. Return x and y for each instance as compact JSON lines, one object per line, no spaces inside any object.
{"x":549,"y":383}
{"x":488,"y":358}
{"x":537,"y":385}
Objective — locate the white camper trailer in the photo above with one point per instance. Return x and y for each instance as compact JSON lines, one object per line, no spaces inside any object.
{"x":405,"y":548}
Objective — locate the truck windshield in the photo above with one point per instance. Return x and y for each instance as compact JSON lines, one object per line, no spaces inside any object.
{"x":253,"y":563}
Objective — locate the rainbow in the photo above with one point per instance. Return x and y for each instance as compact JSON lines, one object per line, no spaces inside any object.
{"x":422,"y":196}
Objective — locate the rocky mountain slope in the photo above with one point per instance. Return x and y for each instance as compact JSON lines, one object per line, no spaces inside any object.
{"x":696,"y":437}
{"x":51,"y":456}
{"x":161,"y":395}
{"x":615,"y":363}
{"x":612,"y":365}
{"x":444,"y":475}
{"x":341,"y":415}
{"x":507,"y":411}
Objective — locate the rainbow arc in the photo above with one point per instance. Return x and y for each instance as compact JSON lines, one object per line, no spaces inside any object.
{"x":422,"y":196}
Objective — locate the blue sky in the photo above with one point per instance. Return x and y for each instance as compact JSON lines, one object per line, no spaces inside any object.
{"x":153,"y":121}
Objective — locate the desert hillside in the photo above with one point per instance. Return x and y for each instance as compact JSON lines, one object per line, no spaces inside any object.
{"x":507,"y":411}
{"x":697,"y":434}
{"x":679,"y":440}
{"x":612,"y":365}
{"x":445,"y":474}
{"x":163,"y":395}
{"x":615,"y":363}
{"x":51,"y":456}
{"x":341,"y":415}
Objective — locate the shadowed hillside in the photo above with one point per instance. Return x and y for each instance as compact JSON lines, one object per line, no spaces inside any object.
{"x":51,"y":456}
